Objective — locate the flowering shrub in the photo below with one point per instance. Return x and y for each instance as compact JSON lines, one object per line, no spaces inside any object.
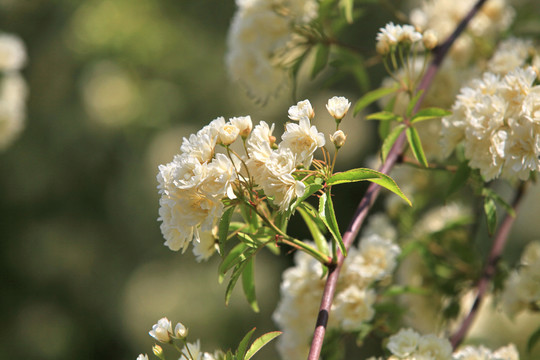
{"x":234,"y":186}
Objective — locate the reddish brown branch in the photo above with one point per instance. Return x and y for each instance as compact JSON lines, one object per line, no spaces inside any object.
{"x":373,"y":190}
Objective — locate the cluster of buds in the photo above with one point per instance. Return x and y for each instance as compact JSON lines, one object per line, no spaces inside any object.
{"x":163,"y":331}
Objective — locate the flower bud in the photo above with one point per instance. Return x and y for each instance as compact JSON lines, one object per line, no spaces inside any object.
{"x":338,"y":138}
{"x":338,"y":107}
{"x":142,"y":357}
{"x":162,"y":331}
{"x":382,"y":47}
{"x":180,"y":331}
{"x":430,"y":39}
{"x":228,"y":134}
{"x":158,"y":351}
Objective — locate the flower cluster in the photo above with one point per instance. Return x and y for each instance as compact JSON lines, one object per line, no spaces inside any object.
{"x":252,"y":54}
{"x":13,"y":89}
{"x":522,"y":287}
{"x":163,"y":332}
{"x":512,"y":53}
{"x":407,"y":344}
{"x":442,"y":17}
{"x":498,"y":120}
{"x":302,"y":286}
{"x":393,"y":35}
{"x":194,"y":185}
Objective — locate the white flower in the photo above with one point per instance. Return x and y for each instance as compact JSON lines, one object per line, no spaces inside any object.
{"x":228,"y":134}
{"x":243,"y":123}
{"x":404,"y":343}
{"x":302,"y":140}
{"x":302,"y":109}
{"x":377,"y":257}
{"x":162,"y":331}
{"x":354,"y":306}
{"x":12,"y":53}
{"x":204,"y":246}
{"x":510,"y":54}
{"x":508,"y":352}
{"x":142,"y":357}
{"x":432,"y":347}
{"x":193,"y":351}
{"x":13,"y":93}
{"x":338,"y":107}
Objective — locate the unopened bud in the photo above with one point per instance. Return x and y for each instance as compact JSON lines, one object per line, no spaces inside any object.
{"x":338,"y":138}
{"x":244,"y":124}
{"x":338,"y":107}
{"x":430,"y":39}
{"x":158,"y":351}
{"x":180,"y":331}
{"x":382,"y":47}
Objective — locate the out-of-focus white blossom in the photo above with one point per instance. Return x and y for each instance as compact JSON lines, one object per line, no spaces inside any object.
{"x":302,"y":287}
{"x":302,"y":109}
{"x":431,"y":346}
{"x":205,"y":246}
{"x":393,"y":34}
{"x":498,"y":119}
{"x":403,"y":343}
{"x":253,"y":55}
{"x":510,"y":54}
{"x":522,"y":287}
{"x":12,"y":53}
{"x":142,"y":357}
{"x":482,"y":353}
{"x":442,"y":17}
{"x":162,"y":331}
{"x":338,"y":107}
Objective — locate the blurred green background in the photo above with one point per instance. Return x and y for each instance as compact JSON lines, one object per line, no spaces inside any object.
{"x":114,"y":86}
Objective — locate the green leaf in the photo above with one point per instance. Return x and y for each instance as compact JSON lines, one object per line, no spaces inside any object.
{"x":316,"y":233}
{"x":384,"y":116}
{"x":390,"y":140}
{"x":429,"y":113}
{"x":237,"y":272}
{"x":362,"y":174}
{"x":347,"y":6}
{"x":322,"y":51}
{"x":242,"y":347}
{"x":328,"y":216}
{"x":260,"y":342}
{"x":310,"y":190}
{"x":373,"y":96}
{"x":491,"y":214}
{"x":223,"y":228}
{"x":235,"y":256}
{"x":460,"y":178}
{"x":416,"y":145}
{"x":533,"y":340}
{"x":248,"y":284}
{"x":413,"y":102}
{"x":397,"y":290}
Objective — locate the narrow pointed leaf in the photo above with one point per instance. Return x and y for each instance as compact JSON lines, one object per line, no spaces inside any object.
{"x":237,"y":272}
{"x":223,"y":228}
{"x":493,"y":195}
{"x":310,"y":190}
{"x":491,"y":214}
{"x":416,"y":146}
{"x":347,"y":6}
{"x":429,"y":113}
{"x":327,"y":214}
{"x":316,"y":234}
{"x":373,"y":96}
{"x":413,"y":102}
{"x":235,"y":256}
{"x":242,"y":347}
{"x":533,"y":340}
{"x":363,"y":174}
{"x":248,"y":284}
{"x":390,"y":140}
{"x":321,"y":59}
{"x":384,"y":116}
{"x":260,"y":342}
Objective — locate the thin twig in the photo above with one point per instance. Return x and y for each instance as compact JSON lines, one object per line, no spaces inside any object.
{"x":490,"y":269}
{"x":373,"y":190}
